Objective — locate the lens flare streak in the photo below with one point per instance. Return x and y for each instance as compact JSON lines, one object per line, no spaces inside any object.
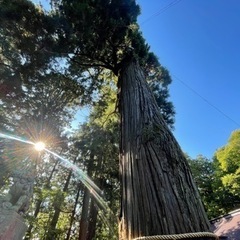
{"x":92,"y":187}
{"x":2,"y":135}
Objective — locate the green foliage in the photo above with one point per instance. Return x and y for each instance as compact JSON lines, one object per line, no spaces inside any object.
{"x":24,"y":33}
{"x":36,"y":102}
{"x":203,"y":174}
{"x":99,"y":29}
{"x":97,"y":144}
{"x":217,"y":198}
{"x":228,"y":155}
{"x":33,"y":96}
{"x":104,"y":35}
{"x":159,"y":81}
{"x":229,"y":162}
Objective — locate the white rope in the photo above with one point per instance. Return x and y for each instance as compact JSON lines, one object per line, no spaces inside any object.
{"x":179,"y":236}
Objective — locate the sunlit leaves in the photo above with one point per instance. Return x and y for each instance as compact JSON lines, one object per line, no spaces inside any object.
{"x":229,"y":160}
{"x":217,"y":197}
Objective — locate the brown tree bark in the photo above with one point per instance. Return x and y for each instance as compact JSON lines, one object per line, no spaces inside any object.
{"x":37,"y":210}
{"x":83,"y":228}
{"x":73,"y":213}
{"x":58,"y":201}
{"x":38,"y":204}
{"x":159,"y":195}
{"x":92,"y":220}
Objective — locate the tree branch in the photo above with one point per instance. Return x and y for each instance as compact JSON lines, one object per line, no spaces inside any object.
{"x":92,"y":64}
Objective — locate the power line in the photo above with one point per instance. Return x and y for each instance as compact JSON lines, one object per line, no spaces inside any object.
{"x":205,"y":100}
{"x":161,"y":10}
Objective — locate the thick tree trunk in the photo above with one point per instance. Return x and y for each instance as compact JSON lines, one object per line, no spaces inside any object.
{"x":159,"y":195}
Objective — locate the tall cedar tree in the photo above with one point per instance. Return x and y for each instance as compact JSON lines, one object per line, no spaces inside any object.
{"x":158,"y":193}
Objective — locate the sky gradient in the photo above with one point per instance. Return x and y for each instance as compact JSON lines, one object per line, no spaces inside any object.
{"x":199,"y":43}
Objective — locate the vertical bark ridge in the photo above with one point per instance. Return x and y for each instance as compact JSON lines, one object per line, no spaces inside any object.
{"x":158,"y":193}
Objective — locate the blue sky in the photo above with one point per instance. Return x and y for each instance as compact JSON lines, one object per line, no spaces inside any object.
{"x":199,"y":43}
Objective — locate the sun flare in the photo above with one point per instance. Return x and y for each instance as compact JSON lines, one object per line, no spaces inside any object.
{"x":39,"y":146}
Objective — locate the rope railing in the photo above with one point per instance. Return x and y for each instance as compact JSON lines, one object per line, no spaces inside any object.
{"x":180,"y":236}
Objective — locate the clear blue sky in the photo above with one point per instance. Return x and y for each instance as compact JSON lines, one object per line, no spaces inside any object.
{"x":198,"y":41}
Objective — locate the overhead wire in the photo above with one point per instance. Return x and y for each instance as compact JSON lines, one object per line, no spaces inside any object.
{"x":206,"y":100}
{"x":160,"y":11}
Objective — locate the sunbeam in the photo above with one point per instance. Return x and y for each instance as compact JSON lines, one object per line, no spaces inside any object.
{"x":80,"y":174}
{"x":2,"y":135}
{"x":39,"y":146}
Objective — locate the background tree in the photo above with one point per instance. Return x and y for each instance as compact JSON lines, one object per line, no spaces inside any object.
{"x":229,"y":161}
{"x":35,"y":95}
{"x":217,"y":198}
{"x":204,"y":175}
{"x":95,"y":146}
{"x":97,"y":141}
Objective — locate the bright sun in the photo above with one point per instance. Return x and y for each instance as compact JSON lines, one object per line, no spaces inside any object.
{"x":39,"y":146}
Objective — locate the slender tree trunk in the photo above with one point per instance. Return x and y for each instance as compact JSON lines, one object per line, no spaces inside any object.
{"x":88,"y":222}
{"x":57,"y":210}
{"x":38,"y":204}
{"x":92,"y":220}
{"x":73,"y":214}
{"x":159,"y":195}
{"x":37,"y":210}
{"x":83,"y":228}
{"x":3,"y":173}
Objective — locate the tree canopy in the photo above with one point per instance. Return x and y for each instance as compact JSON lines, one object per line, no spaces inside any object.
{"x":228,"y":158}
{"x":217,"y":198}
